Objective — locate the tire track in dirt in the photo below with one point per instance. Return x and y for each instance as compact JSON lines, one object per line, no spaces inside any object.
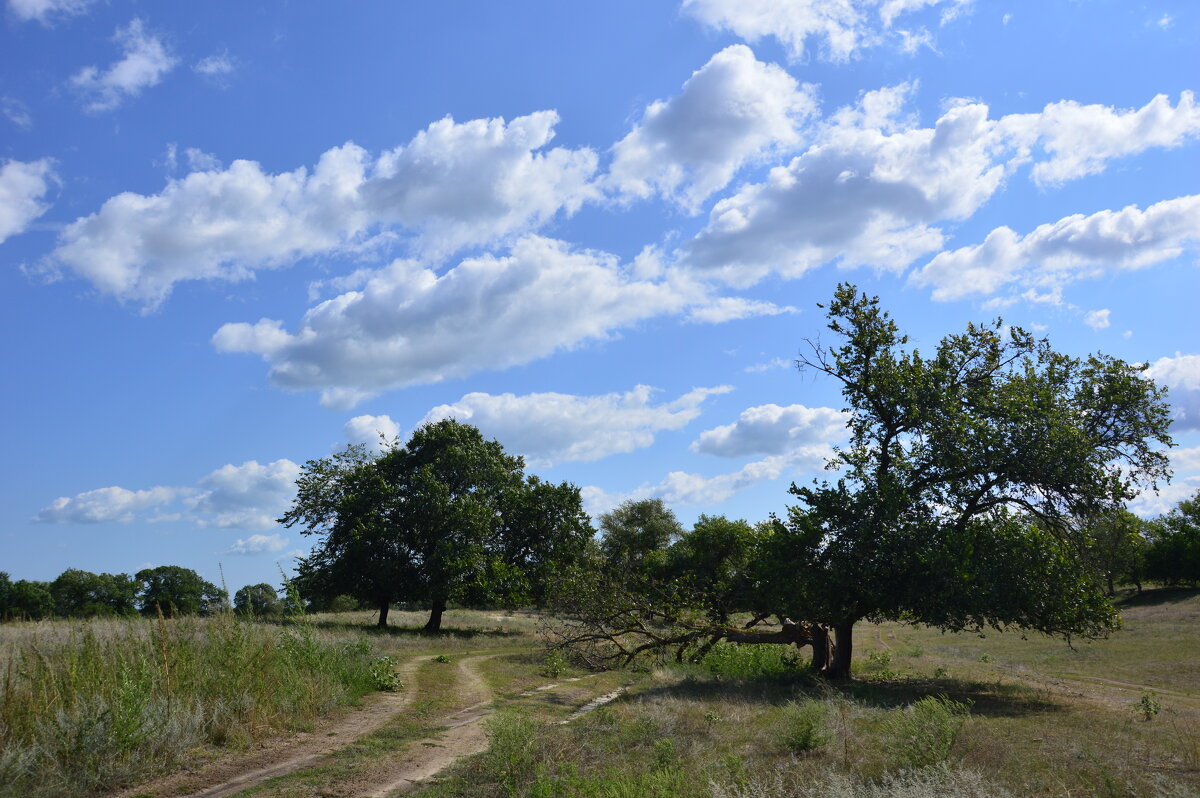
{"x":1127,"y":689}
{"x":463,"y":736}
{"x":594,"y":704}
{"x":230,"y":775}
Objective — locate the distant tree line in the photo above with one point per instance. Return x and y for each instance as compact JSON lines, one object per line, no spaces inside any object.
{"x":1128,"y":550}
{"x":75,"y":593}
{"x":168,"y":589}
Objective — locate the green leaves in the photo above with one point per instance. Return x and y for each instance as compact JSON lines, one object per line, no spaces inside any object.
{"x":447,"y":516}
{"x":961,"y":479}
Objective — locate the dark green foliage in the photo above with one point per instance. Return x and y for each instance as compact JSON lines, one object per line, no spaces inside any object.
{"x":715,"y":558}
{"x":637,"y":535}
{"x":961,"y":479}
{"x":257,"y":601}
{"x":957,"y":505}
{"x":1173,"y":553}
{"x":447,"y":517}
{"x":24,"y":599}
{"x":344,"y":603}
{"x":1116,"y":547}
{"x":83,"y":594}
{"x":174,"y":590}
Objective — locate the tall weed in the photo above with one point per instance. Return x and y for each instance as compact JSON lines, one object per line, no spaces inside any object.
{"x":89,"y":710}
{"x":923,"y":733}
{"x":804,"y":727}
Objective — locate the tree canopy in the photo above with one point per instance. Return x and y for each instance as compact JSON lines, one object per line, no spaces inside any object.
{"x":174,"y":590}
{"x":1173,"y":554}
{"x":637,"y":533}
{"x":448,"y":516}
{"x":956,"y":497}
{"x":257,"y":601}
{"x":83,"y":594}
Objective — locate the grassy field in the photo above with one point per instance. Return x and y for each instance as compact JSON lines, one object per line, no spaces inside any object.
{"x":928,"y":714}
{"x":91,"y":707}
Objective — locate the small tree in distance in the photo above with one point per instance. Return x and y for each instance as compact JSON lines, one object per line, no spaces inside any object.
{"x":259,"y":601}
{"x":448,"y":516}
{"x":174,"y":590}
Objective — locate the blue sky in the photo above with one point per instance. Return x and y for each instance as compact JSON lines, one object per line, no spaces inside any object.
{"x":235,"y":236}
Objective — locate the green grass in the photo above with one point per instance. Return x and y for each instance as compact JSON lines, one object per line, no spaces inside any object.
{"x":924,"y":716}
{"x":88,"y":707}
{"x":927,"y":714}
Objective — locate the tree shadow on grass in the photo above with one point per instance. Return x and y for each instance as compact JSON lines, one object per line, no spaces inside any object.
{"x":992,"y":699}
{"x":414,"y":631}
{"x":1154,"y":597}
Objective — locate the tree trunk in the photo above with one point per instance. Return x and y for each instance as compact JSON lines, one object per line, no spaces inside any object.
{"x":843,"y":650}
{"x":822,"y":648}
{"x":434,"y":624}
{"x":1112,"y":591}
{"x":384,"y":606}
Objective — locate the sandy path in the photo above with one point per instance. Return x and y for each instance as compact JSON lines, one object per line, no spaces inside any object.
{"x":232,"y":774}
{"x":464,"y":735}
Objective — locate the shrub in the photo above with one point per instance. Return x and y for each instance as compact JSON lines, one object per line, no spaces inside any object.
{"x":553,"y":664}
{"x":803,"y":727}
{"x":736,"y":661}
{"x":923,"y":733}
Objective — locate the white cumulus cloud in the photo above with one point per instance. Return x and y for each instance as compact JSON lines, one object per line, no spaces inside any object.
{"x":217,"y":65}
{"x":106,"y":505}
{"x":453,"y":185}
{"x":1181,"y":376}
{"x":840,"y":28}
{"x":1080,"y":140}
{"x":1186,"y":459}
{"x":145,"y":62}
{"x":772,"y":430}
{"x":215,"y":225}
{"x":732,"y":110}
{"x":874,"y":186}
{"x":682,"y":487}
{"x":866,"y":193}
{"x":246,"y":496}
{"x":471,"y":182}
{"x":409,"y":325}
{"x":46,"y":11}
{"x":1098,"y":319}
{"x":258,"y":544}
{"x":23,"y":184}
{"x":1069,"y":249}
{"x":371,"y":431}
{"x":1149,"y":503}
{"x":553,"y":428}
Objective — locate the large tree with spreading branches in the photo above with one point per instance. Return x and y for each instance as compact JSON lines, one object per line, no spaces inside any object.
{"x":447,"y":516}
{"x":956,"y":498}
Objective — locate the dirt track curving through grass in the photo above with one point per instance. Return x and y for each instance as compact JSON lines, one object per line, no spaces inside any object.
{"x":231,"y":775}
{"x":459,"y":733}
{"x":463,"y":736}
